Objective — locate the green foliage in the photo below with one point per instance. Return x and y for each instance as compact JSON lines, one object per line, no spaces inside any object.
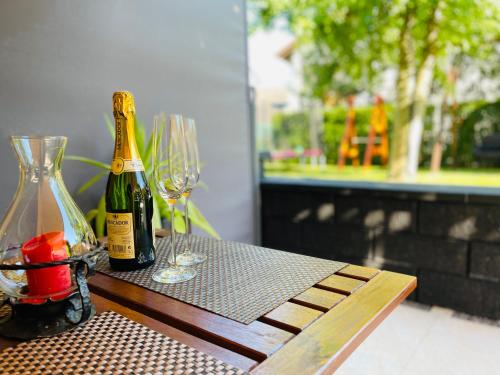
{"x":347,"y":44}
{"x":292,"y":129}
{"x":476,"y":120}
{"x":161,"y":211}
{"x":334,"y":126}
{"x":468,"y":134}
{"x":477,"y":123}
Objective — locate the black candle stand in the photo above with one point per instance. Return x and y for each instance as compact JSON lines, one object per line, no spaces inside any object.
{"x":29,"y":320}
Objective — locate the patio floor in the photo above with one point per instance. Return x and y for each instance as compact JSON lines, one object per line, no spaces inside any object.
{"x":417,"y":339}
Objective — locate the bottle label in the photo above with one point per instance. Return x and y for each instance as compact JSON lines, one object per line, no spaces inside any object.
{"x":119,"y":165}
{"x":120,"y":235}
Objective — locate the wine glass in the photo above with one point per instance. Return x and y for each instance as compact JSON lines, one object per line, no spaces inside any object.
{"x":188,"y":257}
{"x":170,"y":177}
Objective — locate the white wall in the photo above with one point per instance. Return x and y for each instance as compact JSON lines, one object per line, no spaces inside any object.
{"x":60,"y":62}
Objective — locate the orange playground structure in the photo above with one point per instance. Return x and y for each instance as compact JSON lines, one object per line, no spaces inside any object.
{"x":349,"y":148}
{"x":378,"y":139}
{"x":377,"y":142}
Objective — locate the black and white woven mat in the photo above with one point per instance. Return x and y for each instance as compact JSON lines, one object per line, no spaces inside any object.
{"x":239,"y":281}
{"x":109,"y":344}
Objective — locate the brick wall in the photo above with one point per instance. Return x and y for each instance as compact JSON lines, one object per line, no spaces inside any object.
{"x":449,"y":240}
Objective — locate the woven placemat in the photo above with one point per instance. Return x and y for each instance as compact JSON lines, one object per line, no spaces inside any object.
{"x":109,"y":344}
{"x":5,"y":310}
{"x":239,"y":281}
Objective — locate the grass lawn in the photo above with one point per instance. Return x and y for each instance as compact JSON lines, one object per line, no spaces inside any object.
{"x":463,"y":177}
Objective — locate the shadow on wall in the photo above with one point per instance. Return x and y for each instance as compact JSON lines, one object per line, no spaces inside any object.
{"x":451,"y":242}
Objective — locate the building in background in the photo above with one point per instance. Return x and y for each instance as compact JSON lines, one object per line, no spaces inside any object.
{"x":277,"y":81}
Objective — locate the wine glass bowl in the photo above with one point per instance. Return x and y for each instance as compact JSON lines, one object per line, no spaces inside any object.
{"x":169,"y":157}
{"x":193,"y":160}
{"x":170,"y":175}
{"x":188,"y":257}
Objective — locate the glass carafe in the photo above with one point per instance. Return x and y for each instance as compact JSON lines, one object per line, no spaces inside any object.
{"x":42,"y":224}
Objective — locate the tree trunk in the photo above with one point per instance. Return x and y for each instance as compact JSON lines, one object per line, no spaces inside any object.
{"x":399,"y":141}
{"x":438,"y":130}
{"x":422,"y":91}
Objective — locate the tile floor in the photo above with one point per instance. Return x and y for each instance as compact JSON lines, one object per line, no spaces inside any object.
{"x":416,"y":340}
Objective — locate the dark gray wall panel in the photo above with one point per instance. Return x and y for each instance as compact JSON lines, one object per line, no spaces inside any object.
{"x":387,"y":226}
{"x":61,"y":61}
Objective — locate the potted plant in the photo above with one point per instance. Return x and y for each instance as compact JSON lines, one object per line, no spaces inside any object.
{"x":97,"y":215}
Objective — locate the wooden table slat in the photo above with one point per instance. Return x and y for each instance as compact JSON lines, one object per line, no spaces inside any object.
{"x":256,"y":340}
{"x":358,"y":272}
{"x":291,"y":317}
{"x":333,"y":317}
{"x":340,"y":284}
{"x":339,"y":331}
{"x":318,"y":299}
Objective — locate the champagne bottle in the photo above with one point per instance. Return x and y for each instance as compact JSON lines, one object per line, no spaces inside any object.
{"x":129,"y":202}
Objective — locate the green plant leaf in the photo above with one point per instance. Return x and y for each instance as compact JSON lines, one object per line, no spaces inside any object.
{"x":160,"y":208}
{"x":156,"y":215}
{"x":161,"y":204}
{"x":140,"y":135}
{"x":200,"y":221}
{"x":110,"y":126}
{"x":100,"y":219}
{"x":92,"y":181}
{"x":89,"y":161}
{"x":164,"y":213}
{"x":146,"y":158}
{"x":179,"y":223}
{"x":91,"y":214}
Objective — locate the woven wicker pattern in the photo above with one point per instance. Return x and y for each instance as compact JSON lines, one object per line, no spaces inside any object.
{"x":239,"y":281}
{"x":5,"y":310}
{"x":109,"y":344}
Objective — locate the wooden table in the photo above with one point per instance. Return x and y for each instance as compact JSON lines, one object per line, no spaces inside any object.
{"x":312,"y":333}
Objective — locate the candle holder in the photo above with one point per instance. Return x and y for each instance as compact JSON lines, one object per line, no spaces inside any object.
{"x":38,"y":317}
{"x":47,"y":248}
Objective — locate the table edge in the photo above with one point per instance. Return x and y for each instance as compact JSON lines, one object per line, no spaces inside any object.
{"x":337,"y":357}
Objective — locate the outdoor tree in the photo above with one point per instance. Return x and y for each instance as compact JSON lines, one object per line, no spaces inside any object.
{"x":347,"y":46}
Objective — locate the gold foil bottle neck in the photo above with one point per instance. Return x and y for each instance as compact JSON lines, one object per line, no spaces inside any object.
{"x":126,"y":157}
{"x":123,"y":104}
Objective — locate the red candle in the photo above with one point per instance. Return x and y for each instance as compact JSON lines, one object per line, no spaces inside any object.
{"x":48,"y":247}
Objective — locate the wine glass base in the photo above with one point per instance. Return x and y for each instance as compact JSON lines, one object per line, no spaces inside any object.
{"x":173,"y":275}
{"x":189,"y":258}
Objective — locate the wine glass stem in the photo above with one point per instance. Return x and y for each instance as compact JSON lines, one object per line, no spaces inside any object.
{"x":188,"y":226}
{"x":172,"y":235}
